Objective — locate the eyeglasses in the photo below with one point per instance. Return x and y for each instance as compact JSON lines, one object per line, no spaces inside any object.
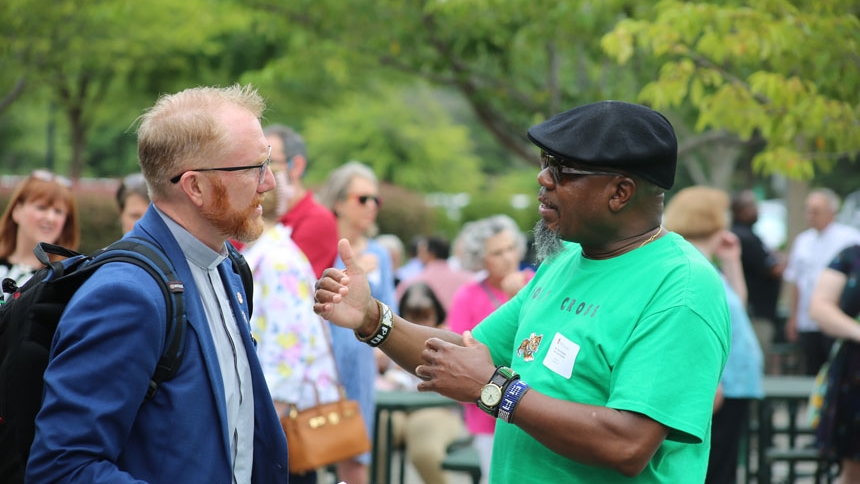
{"x":260,"y":179}
{"x":48,"y":176}
{"x":556,"y":167}
{"x":363,"y":199}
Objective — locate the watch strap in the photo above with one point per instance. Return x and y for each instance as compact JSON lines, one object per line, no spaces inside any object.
{"x":502,"y":375}
{"x":501,"y":378}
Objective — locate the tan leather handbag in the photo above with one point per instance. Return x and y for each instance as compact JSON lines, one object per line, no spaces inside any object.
{"x":325,"y":433}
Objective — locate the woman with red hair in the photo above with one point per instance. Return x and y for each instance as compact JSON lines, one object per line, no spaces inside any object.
{"x":42,"y":209}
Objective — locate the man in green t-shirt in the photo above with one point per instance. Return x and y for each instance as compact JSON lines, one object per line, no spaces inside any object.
{"x":604,"y":368}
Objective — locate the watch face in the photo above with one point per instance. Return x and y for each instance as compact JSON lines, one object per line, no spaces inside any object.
{"x":491,"y":395}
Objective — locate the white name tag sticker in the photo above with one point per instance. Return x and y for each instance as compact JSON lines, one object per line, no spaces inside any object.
{"x":561,"y":355}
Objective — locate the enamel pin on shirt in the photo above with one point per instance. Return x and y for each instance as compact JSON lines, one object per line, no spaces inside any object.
{"x":529,"y":346}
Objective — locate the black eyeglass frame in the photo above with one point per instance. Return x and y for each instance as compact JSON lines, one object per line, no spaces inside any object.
{"x":260,"y":179}
{"x":556,"y":167}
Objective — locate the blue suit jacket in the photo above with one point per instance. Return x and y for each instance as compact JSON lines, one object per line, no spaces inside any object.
{"x":94,"y":425}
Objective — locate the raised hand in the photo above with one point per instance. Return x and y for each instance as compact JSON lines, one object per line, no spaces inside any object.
{"x":343,"y":296}
{"x":513,"y":282}
{"x":729,"y":247}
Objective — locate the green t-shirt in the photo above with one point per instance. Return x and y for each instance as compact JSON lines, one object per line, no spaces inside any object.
{"x":647,"y":332}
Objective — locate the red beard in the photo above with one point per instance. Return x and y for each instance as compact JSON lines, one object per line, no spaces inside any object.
{"x":243,"y":224}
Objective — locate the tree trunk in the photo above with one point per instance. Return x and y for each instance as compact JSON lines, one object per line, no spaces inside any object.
{"x":795,"y":198}
{"x":78,"y":139}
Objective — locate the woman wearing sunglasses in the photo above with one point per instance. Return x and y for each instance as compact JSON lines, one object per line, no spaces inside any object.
{"x":352,"y":193}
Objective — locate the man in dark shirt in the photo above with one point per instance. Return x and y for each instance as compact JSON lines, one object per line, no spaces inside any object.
{"x":762,"y":266}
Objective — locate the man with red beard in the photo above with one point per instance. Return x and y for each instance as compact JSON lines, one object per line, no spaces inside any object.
{"x":206,"y":162}
{"x":626,"y":324}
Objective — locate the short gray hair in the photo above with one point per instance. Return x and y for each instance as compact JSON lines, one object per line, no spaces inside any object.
{"x":832,"y":198}
{"x":293,"y":142}
{"x":134,"y":184}
{"x":474,"y":235}
{"x":337,"y":185}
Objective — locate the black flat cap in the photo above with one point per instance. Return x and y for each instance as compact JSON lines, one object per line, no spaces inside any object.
{"x":613,"y":134}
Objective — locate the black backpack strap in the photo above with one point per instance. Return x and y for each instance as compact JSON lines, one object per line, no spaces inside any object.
{"x":173,"y":291}
{"x":44,"y":250}
{"x":241,"y":267}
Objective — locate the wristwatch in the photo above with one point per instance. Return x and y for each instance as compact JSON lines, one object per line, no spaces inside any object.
{"x":491,"y":393}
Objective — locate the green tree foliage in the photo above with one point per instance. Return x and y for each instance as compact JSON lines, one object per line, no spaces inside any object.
{"x":770,"y":80}
{"x":514,"y":62}
{"x":403,"y":135}
{"x":405,"y":214}
{"x":82,"y":53}
{"x":782,"y":71}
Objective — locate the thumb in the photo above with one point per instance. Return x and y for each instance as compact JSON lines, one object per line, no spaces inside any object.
{"x":469,"y":341}
{"x":347,"y":256}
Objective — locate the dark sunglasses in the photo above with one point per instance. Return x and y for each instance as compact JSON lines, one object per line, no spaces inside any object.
{"x":362,"y":199}
{"x":260,"y":178}
{"x":556,"y":167}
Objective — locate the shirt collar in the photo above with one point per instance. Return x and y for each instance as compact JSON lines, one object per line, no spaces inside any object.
{"x":195,"y":251}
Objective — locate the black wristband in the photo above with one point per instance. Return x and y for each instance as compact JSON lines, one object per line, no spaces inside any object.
{"x":383,"y":329}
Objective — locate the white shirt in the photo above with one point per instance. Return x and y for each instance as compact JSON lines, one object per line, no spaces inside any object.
{"x":811,"y":253}
{"x":232,"y":359}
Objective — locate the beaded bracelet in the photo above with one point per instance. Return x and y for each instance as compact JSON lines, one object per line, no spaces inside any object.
{"x":514,"y":391}
{"x":383,"y":329}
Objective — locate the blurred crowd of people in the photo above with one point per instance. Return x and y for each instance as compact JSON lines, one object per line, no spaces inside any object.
{"x":455,"y":284}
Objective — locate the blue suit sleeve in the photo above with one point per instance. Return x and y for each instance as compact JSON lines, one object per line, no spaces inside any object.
{"x":103,"y":354}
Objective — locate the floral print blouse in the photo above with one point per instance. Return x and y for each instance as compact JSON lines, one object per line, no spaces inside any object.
{"x":293,"y":345}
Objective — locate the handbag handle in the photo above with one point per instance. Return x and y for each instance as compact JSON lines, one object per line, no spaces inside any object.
{"x":293,"y":406}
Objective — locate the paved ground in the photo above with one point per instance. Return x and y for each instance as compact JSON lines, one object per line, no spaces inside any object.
{"x":780,"y":471}
{"x":412,"y":476}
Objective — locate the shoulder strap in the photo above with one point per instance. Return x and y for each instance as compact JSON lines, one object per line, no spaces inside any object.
{"x":486,"y":287}
{"x":241,"y":267}
{"x":148,"y":257}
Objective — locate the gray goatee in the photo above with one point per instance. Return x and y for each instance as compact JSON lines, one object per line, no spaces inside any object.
{"x":547,"y":243}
